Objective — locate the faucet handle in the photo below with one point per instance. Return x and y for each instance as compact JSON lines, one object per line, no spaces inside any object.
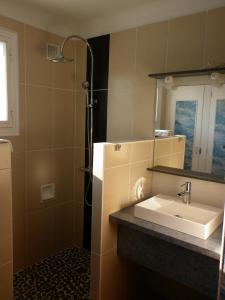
{"x":187,"y":186}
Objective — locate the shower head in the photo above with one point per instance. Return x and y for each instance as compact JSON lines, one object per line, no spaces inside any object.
{"x":61,"y":59}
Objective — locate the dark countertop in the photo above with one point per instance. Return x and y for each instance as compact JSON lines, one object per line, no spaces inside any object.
{"x":210,"y":247}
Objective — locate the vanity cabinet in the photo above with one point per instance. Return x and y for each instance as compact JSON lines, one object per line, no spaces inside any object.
{"x":188,"y":260}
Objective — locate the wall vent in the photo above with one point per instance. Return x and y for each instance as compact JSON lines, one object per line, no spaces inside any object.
{"x":53,"y":50}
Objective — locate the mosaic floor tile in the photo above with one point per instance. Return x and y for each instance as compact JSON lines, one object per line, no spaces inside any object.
{"x":64,"y":276}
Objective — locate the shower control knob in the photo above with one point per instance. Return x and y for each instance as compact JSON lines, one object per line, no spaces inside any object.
{"x":85,"y":85}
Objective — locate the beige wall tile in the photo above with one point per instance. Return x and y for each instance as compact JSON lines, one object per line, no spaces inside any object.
{"x":201,"y":191}
{"x":40,"y":170}
{"x":140,"y":181}
{"x":177,"y":161}
{"x":6,"y":279}
{"x":178,"y":145}
{"x":64,"y":225}
{"x":19,"y":258}
{"x":5,"y":154}
{"x":79,"y":224}
{"x":40,"y":235}
{"x":18,"y":183}
{"x":39,"y":118}
{"x":109,"y":234}
{"x":163,"y":147}
{"x":144,"y":111}
{"x":64,"y":73}
{"x":115,"y":192}
{"x":6,"y":246}
{"x":39,"y":70}
{"x":120,"y":115}
{"x":63,"y":118}
{"x":142,"y":150}
{"x":162,"y":161}
{"x":169,"y":152}
{"x":80,"y":64}
{"x":6,"y":203}
{"x":114,"y":158}
{"x":215,"y":44}
{"x":186,"y":42}
{"x":95,"y":276}
{"x":122,"y":59}
{"x":6,"y":251}
{"x":63,"y":174}
{"x":18,"y":142}
{"x":19,"y":28}
{"x":80,"y":104}
{"x":112,"y":277}
{"x":151,"y":51}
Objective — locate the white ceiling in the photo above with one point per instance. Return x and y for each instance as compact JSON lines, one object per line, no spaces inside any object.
{"x":96,"y":17}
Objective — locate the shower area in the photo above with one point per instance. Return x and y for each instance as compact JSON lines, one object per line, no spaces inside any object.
{"x":63,"y":119}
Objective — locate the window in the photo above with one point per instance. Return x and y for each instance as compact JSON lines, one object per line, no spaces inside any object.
{"x":9,"y":83}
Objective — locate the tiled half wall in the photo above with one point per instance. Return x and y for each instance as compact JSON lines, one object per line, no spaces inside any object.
{"x":120,"y":179}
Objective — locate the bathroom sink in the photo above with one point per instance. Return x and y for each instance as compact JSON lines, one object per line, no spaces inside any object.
{"x":195,"y":219}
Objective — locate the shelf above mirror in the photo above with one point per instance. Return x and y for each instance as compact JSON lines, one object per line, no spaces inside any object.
{"x":187,"y":73}
{"x":189,"y":174}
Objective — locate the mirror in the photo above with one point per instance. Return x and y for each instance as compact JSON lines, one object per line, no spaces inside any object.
{"x":190,"y":126}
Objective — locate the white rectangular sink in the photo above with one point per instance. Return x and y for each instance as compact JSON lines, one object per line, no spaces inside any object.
{"x":195,"y":219}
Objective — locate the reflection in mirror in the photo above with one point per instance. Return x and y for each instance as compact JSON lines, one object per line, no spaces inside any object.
{"x":190,"y":124}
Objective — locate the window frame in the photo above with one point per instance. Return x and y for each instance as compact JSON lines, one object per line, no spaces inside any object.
{"x":11,"y":126}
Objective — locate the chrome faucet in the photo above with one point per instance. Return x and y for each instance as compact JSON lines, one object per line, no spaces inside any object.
{"x":186,"y":194}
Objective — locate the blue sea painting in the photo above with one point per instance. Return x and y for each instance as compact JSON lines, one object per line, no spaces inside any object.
{"x":218,"y":161}
{"x":185,"y":125}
